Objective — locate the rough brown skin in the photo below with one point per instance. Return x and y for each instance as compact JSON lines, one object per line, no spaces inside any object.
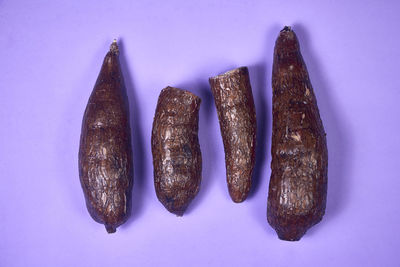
{"x":176,"y":149}
{"x":237,"y":118}
{"x":105,"y":152}
{"x":298,"y":185}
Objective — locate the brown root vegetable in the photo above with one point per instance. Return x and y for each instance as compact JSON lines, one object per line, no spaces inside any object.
{"x":298,"y":185}
{"x":237,"y":118}
{"x":176,"y":149}
{"x":105,"y":152}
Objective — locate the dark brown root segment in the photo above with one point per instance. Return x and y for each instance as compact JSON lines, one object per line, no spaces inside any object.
{"x":105,"y":152}
{"x":298,"y":184}
{"x":237,"y":118}
{"x":176,"y":149}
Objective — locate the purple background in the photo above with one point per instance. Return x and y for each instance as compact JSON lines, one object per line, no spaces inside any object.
{"x":51,"y":53}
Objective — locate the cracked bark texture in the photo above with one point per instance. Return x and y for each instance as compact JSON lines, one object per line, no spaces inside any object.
{"x":105,"y":152}
{"x":176,"y":149}
{"x":237,"y":118}
{"x":298,"y":185}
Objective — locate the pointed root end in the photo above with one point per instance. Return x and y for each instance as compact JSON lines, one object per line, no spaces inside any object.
{"x":286,"y":29}
{"x":238,"y":195}
{"x":114,"y":47}
{"x":110,"y":229}
{"x":178,"y":213}
{"x":291,"y":235}
{"x":238,"y":199}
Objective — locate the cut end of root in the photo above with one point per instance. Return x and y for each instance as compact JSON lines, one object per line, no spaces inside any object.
{"x":114,"y":47}
{"x":242,"y":69}
{"x":110,"y":229}
{"x":186,"y":92}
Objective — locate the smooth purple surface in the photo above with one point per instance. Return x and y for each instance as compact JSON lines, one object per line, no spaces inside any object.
{"x":51,"y":53}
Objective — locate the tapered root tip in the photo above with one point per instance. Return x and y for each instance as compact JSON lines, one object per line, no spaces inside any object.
{"x":237,"y":196}
{"x":114,"y":47}
{"x":291,"y":235}
{"x":238,"y":200}
{"x":110,"y":229}
{"x":287,"y":41}
{"x":178,"y":213}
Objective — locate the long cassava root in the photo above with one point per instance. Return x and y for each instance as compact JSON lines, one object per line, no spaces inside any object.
{"x":105,"y":153}
{"x":298,"y":185}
